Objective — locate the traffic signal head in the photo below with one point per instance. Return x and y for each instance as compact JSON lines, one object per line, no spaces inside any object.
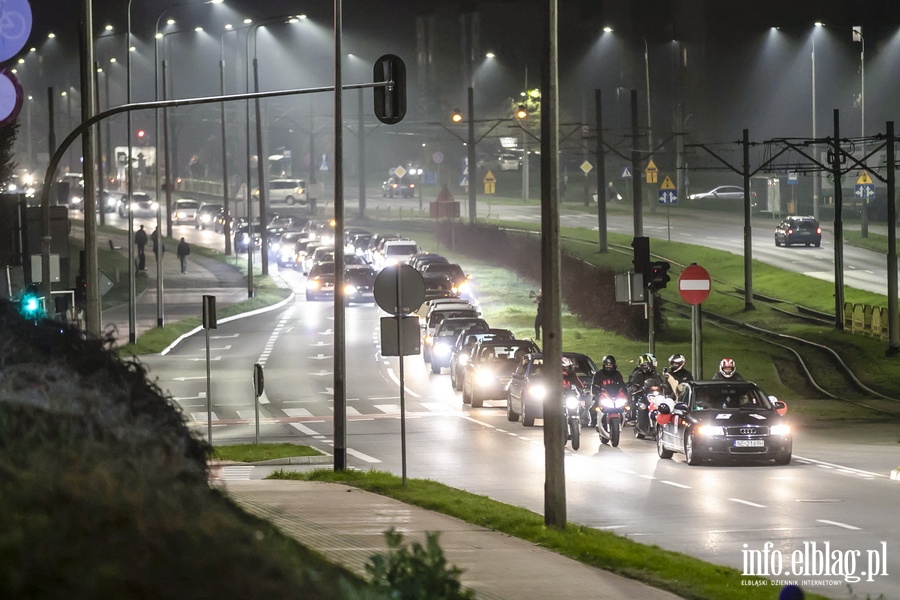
{"x":659,"y":275}
{"x":141,"y":134}
{"x":390,"y":99}
{"x":641,"y":260}
{"x":31,"y":305}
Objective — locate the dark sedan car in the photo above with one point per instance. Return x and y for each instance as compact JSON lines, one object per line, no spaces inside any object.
{"x":798,"y":230}
{"x":490,"y":367}
{"x":444,"y":337}
{"x":403,"y":187}
{"x":359,"y":283}
{"x":320,"y":282}
{"x":724,"y":420}
{"x":459,"y":355}
{"x":206,"y":215}
{"x":527,"y":388}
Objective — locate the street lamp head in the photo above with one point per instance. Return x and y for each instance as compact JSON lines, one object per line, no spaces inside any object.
{"x":608,"y":29}
{"x":819,"y":24}
{"x":521,"y":112}
{"x":456,"y":117}
{"x":490,"y":55}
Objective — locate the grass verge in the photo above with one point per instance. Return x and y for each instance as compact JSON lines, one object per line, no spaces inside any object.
{"x":679,"y":573}
{"x":259,"y":452}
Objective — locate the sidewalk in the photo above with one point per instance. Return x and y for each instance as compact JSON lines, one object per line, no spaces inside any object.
{"x":346,"y":525}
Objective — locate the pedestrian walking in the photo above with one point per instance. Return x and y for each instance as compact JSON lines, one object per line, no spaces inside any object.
{"x":140,"y":240}
{"x":183,"y":250}
{"x":538,"y":317}
{"x":154,"y":237}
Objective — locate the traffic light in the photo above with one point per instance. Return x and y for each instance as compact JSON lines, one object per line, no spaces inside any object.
{"x":141,"y":135}
{"x":31,"y":305}
{"x":641,"y":260}
{"x":521,"y":112}
{"x":390,"y":100}
{"x":659,"y":275}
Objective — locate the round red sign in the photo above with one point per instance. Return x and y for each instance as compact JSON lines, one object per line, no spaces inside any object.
{"x":694,"y":284}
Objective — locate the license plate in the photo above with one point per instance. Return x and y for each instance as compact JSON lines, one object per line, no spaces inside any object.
{"x":749,"y":443}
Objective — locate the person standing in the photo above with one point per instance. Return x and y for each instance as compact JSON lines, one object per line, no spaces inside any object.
{"x":140,"y":240}
{"x":154,"y":237}
{"x":538,"y":317}
{"x":183,"y":250}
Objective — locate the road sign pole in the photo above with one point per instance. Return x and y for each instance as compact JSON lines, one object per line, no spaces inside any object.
{"x":697,"y":341}
{"x":399,"y":317}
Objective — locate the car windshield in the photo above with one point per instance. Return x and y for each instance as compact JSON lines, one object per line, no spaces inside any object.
{"x":730,"y":397}
{"x":400,"y":249}
{"x":187,"y":204}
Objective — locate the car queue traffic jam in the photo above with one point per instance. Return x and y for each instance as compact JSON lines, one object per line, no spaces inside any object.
{"x":725,"y":419}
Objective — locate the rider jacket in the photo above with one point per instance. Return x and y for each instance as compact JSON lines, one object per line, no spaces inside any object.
{"x":570,"y":379}
{"x":604,"y":377}
{"x":638,"y":377}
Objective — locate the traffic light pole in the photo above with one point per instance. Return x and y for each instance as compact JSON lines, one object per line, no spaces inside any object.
{"x":651,"y":321}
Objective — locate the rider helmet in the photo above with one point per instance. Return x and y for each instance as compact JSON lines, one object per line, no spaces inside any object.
{"x":652,"y":385}
{"x":647,"y":362}
{"x":609,"y":363}
{"x":567,"y":363}
{"x":726,"y":367}
{"x":676,"y":362}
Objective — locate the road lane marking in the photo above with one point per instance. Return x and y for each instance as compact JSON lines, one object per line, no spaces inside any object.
{"x":297,"y":412}
{"x":200,"y":417}
{"x":224,"y":337}
{"x":188,"y":378}
{"x":361,"y":456}
{"x":672,"y":483}
{"x":836,"y":466}
{"x":748,"y":503}
{"x":236,"y":472}
{"x":838,"y":524}
{"x":388,"y":408}
{"x":304,"y":429}
{"x":396,"y":380}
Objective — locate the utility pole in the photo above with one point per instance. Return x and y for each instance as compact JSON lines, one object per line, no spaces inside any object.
{"x":636,"y":200}
{"x":92,"y":266}
{"x":602,"y":237}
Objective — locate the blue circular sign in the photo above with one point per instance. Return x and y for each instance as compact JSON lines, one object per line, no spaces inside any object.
{"x":11,"y":98}
{"x":15,"y":27}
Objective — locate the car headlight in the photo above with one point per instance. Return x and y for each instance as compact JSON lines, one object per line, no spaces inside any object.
{"x":429,"y":340}
{"x":154,"y":206}
{"x":463,"y":359}
{"x":462,"y":288}
{"x":350,"y":290}
{"x":538,"y":392}
{"x":711,"y":430}
{"x":484,"y":377}
{"x":441,"y":350}
{"x":780,"y":430}
{"x":312,"y":284}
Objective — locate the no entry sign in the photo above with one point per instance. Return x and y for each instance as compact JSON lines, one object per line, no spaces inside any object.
{"x":694,"y":284}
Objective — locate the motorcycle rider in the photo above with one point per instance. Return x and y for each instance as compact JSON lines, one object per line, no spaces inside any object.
{"x":608,"y":374}
{"x":727,"y":371}
{"x":570,"y":377}
{"x":645,"y":369}
{"x":676,"y":372}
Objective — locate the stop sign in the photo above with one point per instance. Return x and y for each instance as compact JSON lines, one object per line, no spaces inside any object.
{"x":694,"y":284}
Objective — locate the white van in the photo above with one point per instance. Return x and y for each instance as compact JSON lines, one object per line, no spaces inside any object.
{"x":398,"y":252}
{"x":290,"y":191}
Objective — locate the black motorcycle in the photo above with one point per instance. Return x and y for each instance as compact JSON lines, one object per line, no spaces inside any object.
{"x":573,"y":406}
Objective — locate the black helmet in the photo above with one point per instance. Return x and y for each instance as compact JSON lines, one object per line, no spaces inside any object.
{"x":676,"y":362}
{"x":647,"y":362}
{"x":608,"y":363}
{"x":652,"y":384}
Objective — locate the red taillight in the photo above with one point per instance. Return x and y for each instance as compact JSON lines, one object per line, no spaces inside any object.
{"x":790,"y":231}
{"x":819,"y":230}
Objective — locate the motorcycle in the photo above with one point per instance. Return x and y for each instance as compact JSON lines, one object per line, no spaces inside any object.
{"x":573,"y":407}
{"x":647,"y":413}
{"x":612,"y":406}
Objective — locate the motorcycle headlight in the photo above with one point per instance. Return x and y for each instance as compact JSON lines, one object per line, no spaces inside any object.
{"x":711,"y":430}
{"x":613,"y":402}
{"x":538,"y":392}
{"x":781,"y":430}
{"x":571,"y":402}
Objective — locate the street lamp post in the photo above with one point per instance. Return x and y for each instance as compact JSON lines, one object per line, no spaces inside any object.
{"x":816,"y":176}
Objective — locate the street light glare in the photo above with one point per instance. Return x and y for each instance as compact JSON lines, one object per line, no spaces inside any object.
{"x":490,"y":55}
{"x":108,"y":28}
{"x":198,"y":29}
{"x":51,"y":35}
{"x":228,"y":26}
{"x":819,"y":24}
{"x":456,"y":117}
{"x":608,"y":29}
{"x":113,"y":59}
{"x":170,"y":21}
{"x":247,"y":21}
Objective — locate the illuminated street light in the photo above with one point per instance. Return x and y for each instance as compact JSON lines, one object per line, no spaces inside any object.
{"x":456,"y":117}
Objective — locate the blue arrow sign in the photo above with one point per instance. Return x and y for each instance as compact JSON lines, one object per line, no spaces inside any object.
{"x":668,"y":196}
{"x":864,"y":191}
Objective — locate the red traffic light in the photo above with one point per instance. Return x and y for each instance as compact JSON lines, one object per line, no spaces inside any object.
{"x":141,"y":134}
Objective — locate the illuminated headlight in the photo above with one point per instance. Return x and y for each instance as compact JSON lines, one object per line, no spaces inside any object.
{"x":180,"y":215}
{"x":205,"y":219}
{"x":327,"y":239}
{"x":484,"y":377}
{"x":412,"y":185}
{"x":780,"y":430}
{"x":429,"y":340}
{"x":285,"y":255}
{"x":350,"y":290}
{"x":76,"y":200}
{"x":613,"y":402}
{"x":463,"y":360}
{"x":154,"y":206}
{"x":110,"y":201}
{"x":441,"y":350}
{"x":391,"y":262}
{"x":572,"y":402}
{"x":711,"y":430}
{"x":462,"y":288}
{"x":538,"y":392}
{"x":276,"y":246}
{"x":312,"y":284}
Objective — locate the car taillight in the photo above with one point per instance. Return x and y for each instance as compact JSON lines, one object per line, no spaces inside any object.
{"x":790,"y":231}
{"x":819,"y":230}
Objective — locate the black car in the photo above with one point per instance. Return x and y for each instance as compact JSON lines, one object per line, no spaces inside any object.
{"x":359,"y":283}
{"x":206,"y":215}
{"x":724,"y":420}
{"x":490,"y":367}
{"x":798,"y":230}
{"x":459,"y":356}
{"x":320,"y":282}
{"x":242,"y":238}
{"x":527,"y":389}
{"x":444,"y":338}
{"x":404,"y":187}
